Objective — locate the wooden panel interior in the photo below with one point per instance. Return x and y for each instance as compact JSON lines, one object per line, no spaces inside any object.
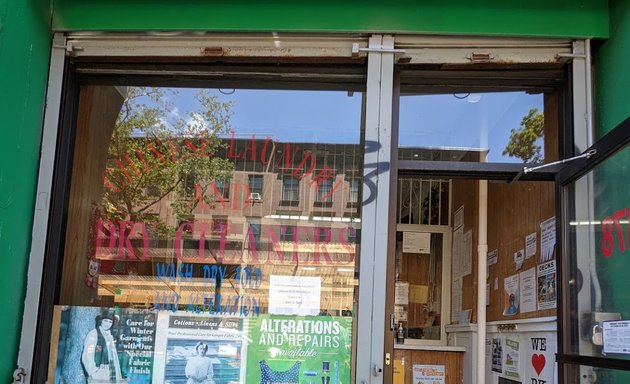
{"x":98,"y":109}
{"x":515,"y":210}
{"x":465,"y":193}
{"x":452,"y":362}
{"x":423,"y":312}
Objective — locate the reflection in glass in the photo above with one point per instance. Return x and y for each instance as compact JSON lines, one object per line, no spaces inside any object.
{"x":599,"y":244}
{"x":505,"y":126}
{"x":195,"y":203}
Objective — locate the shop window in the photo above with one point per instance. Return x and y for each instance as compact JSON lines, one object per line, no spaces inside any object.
{"x":354,"y":184}
{"x":288,"y":233}
{"x":324,"y":234}
{"x":255,"y":183}
{"x":171,"y":236}
{"x":219,"y":225}
{"x":223,"y":188}
{"x":502,"y":127}
{"x":324,"y":193}
{"x":290,"y":191}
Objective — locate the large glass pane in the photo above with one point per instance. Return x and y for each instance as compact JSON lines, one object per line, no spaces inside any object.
{"x":493,"y":127}
{"x":599,"y":243}
{"x":212,"y":237}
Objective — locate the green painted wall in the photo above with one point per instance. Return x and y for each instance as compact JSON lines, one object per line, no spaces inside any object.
{"x":612,"y":81}
{"x":24,"y":56}
{"x":583,"y":18}
{"x":612,"y":74}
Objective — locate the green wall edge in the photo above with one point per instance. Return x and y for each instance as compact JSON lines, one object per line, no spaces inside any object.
{"x":24,"y":57}
{"x":558,"y":18}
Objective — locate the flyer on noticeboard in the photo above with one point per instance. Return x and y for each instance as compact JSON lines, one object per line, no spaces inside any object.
{"x":119,"y":345}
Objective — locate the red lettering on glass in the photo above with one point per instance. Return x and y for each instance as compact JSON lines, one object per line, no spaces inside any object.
{"x":620,"y":240}
{"x":323,"y":175}
{"x":111,"y":234}
{"x":107,"y":183}
{"x":126,"y":232}
{"x":142,"y":160}
{"x":306,"y":157}
{"x":608,"y":242}
{"x":264,"y":160}
{"x":332,"y":190}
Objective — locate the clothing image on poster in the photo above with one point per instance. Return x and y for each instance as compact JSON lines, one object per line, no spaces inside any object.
{"x":100,"y":357}
{"x":270,"y":376}
{"x":199,"y":368}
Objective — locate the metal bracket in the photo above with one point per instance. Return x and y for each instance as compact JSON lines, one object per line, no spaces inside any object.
{"x":69,"y":47}
{"x":19,"y":375}
{"x":587,"y":155}
{"x":356,"y":50}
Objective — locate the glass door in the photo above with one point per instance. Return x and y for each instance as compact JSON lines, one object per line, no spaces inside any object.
{"x":595,"y":345}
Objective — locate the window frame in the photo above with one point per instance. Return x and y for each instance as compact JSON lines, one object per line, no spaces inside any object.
{"x":57,"y":154}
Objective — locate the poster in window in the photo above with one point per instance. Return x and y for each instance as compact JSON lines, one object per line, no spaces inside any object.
{"x":199,"y":349}
{"x":292,"y":350}
{"x":106,"y":345}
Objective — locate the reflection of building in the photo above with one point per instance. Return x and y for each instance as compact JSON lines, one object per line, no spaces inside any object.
{"x":287,"y":208}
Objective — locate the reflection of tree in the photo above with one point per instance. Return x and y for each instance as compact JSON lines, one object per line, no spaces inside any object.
{"x":522,"y":142}
{"x":156,"y":152}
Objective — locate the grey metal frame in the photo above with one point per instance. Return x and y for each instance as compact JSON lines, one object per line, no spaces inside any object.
{"x":42,"y":209}
{"x":379,"y":176}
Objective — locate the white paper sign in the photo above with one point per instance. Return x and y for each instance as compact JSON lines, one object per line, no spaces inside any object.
{"x":294,"y":295}
{"x":528,"y":290}
{"x":458,"y":218}
{"x":458,"y":241}
{"x":519,"y":257}
{"x":547,"y":239}
{"x":401,"y":293}
{"x":456,"y":299}
{"x":539,"y":352}
{"x":493,"y":257}
{"x":399,"y":313}
{"x":530,"y":245}
{"x":467,"y":254}
{"x":617,"y":336}
{"x":415,"y":242}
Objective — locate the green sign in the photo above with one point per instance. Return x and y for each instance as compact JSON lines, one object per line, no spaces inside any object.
{"x":292,"y":349}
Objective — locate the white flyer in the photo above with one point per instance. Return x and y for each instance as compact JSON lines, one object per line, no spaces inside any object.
{"x":294,"y":295}
{"x":530,"y":245}
{"x":617,"y":336}
{"x":528,"y":290}
{"x":547,"y":239}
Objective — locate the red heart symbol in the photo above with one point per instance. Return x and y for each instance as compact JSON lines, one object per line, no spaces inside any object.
{"x":538,"y":362}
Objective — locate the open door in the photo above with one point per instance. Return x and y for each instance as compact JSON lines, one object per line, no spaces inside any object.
{"x":595,"y":311}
